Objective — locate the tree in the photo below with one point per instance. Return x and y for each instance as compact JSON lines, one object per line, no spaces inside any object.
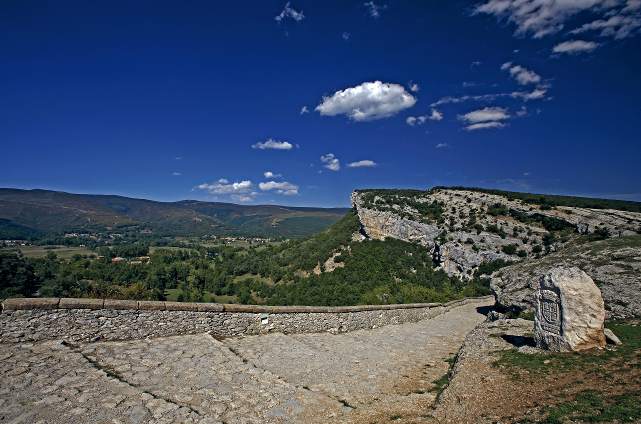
{"x":17,"y":278}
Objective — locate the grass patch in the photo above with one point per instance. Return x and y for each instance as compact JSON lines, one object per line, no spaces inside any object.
{"x":63,"y":252}
{"x":629,"y":334}
{"x":593,"y":407}
{"x":441,"y":383}
{"x":600,"y":385}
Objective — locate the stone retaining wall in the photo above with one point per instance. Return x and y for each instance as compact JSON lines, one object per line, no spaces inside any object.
{"x":25,"y":320}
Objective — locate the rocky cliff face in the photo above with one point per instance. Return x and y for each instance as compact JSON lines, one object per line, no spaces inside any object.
{"x":465,"y":228}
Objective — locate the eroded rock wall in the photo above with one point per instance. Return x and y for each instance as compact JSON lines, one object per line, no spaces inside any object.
{"x":475,"y":227}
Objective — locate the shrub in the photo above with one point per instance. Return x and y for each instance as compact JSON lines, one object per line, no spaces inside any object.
{"x":509,"y":249}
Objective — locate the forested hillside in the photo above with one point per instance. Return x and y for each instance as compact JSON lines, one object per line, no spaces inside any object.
{"x":29,"y":214}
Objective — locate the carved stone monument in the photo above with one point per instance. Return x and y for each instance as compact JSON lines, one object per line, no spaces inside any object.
{"x":569,"y":312}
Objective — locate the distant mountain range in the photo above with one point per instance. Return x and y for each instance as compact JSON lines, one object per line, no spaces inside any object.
{"x":32,"y":213}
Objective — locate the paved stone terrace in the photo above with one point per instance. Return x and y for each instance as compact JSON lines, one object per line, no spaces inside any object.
{"x":361,"y":376}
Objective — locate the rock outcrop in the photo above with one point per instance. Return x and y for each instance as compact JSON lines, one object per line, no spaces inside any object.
{"x":465,"y":228}
{"x":569,"y":312}
{"x":614,"y":265}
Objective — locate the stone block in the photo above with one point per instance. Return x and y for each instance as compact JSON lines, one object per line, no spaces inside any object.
{"x":73,"y":303}
{"x":209,"y":307}
{"x":181,"y":306}
{"x":569,"y":312}
{"x":121,"y":304}
{"x":253,"y":309}
{"x":30,"y":303}
{"x":151,"y":305}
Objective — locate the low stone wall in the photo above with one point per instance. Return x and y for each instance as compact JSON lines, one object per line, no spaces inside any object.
{"x":26,"y":320}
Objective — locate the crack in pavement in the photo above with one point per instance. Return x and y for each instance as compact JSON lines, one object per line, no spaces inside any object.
{"x":113,"y":374}
{"x":344,"y":403}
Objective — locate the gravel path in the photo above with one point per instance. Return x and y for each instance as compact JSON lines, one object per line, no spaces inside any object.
{"x":361,"y":376}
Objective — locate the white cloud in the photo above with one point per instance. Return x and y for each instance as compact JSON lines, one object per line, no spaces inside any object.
{"x":331,"y":162}
{"x":271,"y":144}
{"x":362,"y":164}
{"x":289,"y":12}
{"x":367,"y":101}
{"x":618,"y":26}
{"x":240,"y":191}
{"x":484,"y":125}
{"x":414,"y":87}
{"x":535,"y":94}
{"x":346,"y":35}
{"x":281,"y":187}
{"x":522,"y":75}
{"x":489,"y":117}
{"x":485,"y":114}
{"x":435,"y":115}
{"x":304,"y":110}
{"x":374,"y":9}
{"x":441,"y":145}
{"x":270,"y":174}
{"x":176,"y":174}
{"x":539,"y":17}
{"x":476,"y":63}
{"x":575,"y":47}
{"x":614,"y":18}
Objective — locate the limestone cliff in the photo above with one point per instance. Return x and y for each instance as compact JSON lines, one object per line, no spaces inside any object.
{"x":465,"y":228}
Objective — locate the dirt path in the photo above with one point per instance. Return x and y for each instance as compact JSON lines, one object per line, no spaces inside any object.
{"x":362,"y":376}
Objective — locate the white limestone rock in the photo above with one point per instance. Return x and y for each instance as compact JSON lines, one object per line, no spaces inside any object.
{"x":569,"y":312}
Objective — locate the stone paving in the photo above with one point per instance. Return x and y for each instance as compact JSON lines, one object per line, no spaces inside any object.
{"x":361,"y":376}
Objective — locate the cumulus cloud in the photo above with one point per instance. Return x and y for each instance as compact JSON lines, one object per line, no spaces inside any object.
{"x":373,"y":9}
{"x":435,"y":115}
{"x":331,"y":162}
{"x":280,"y":187}
{"x":270,"y":174}
{"x":489,"y":117}
{"x":441,"y":145}
{"x":346,"y":35}
{"x":176,"y":174}
{"x":575,"y":47}
{"x":414,"y":87}
{"x":367,"y":101}
{"x":522,"y":75}
{"x":304,"y":110}
{"x":240,"y":191}
{"x":289,"y":13}
{"x":271,"y":144}
{"x":538,"y":18}
{"x":362,"y":164}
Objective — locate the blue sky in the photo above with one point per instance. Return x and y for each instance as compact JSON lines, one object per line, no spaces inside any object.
{"x":172,"y":100}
